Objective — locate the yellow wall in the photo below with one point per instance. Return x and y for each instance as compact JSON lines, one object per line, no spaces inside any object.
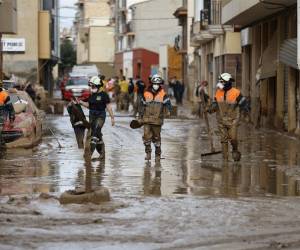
{"x":175,"y":63}
{"x":101,"y":44}
{"x":27,"y":18}
{"x":232,"y":43}
{"x":44,"y":35}
{"x":97,"y":8}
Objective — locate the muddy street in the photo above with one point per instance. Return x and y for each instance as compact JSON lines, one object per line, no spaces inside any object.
{"x":184,"y":202}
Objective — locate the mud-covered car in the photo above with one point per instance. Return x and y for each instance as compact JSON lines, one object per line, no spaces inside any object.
{"x":26,"y":130}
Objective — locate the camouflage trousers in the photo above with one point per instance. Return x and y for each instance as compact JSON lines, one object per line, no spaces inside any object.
{"x":228,"y":134}
{"x":152,"y":134}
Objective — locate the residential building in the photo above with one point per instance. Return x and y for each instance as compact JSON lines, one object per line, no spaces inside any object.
{"x":270,"y":74}
{"x":33,"y":51}
{"x":141,"y":28}
{"x":95,"y":35}
{"x":8,"y":25}
{"x":217,"y":47}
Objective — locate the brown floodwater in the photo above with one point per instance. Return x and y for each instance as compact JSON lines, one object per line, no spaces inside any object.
{"x":184,"y":202}
{"x":269,"y":164}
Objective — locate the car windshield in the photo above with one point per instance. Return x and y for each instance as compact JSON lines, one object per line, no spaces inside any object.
{"x":14,"y":98}
{"x":78,"y":81}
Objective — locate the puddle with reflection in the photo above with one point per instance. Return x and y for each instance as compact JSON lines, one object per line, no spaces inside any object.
{"x":270,"y":164}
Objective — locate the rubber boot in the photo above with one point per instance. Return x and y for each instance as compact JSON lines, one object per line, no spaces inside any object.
{"x":93,"y":145}
{"x":236,"y":155}
{"x":148,"y":156}
{"x":100,"y":147}
{"x":225,"y":151}
{"x":148,"y":152}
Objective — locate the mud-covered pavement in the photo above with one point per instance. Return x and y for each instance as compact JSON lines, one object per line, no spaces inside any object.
{"x":183,"y":203}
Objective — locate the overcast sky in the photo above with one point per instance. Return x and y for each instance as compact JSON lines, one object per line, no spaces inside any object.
{"x":67,"y":14}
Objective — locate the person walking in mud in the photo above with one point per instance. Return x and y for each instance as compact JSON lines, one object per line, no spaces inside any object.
{"x":154,"y":102}
{"x":6,"y":108}
{"x":97,"y":104}
{"x":202,"y":97}
{"x":140,"y":88}
{"x":228,"y":103}
{"x":124,"y":95}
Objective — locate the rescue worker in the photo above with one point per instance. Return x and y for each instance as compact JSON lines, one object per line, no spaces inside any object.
{"x":104,"y":81}
{"x":140,"y":88}
{"x":117,"y":92}
{"x":124,"y":95}
{"x":5,"y":109}
{"x":155,"y":101}
{"x":228,"y":103}
{"x":97,"y":104}
{"x":131,"y":92}
{"x":202,"y":97}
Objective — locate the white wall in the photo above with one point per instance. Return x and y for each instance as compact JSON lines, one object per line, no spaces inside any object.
{"x":154,"y":23}
{"x":101,"y":44}
{"x":127,"y":64}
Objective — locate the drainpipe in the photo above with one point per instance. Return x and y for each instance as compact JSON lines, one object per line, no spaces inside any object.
{"x":298,"y":33}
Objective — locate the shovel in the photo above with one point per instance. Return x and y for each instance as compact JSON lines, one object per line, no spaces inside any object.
{"x":210,"y":135}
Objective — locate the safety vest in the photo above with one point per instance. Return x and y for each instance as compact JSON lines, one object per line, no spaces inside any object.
{"x":153,"y":112}
{"x":159,"y":97}
{"x":228,"y":113}
{"x":3,"y":97}
{"x":229,"y":96}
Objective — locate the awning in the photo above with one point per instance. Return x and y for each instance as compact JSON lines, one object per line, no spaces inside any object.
{"x":288,"y":53}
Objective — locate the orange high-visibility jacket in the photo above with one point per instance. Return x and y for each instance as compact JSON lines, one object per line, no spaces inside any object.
{"x":228,"y":113}
{"x":159,"y":97}
{"x":229,"y":97}
{"x":153,"y":113}
{"x":3,"y":97}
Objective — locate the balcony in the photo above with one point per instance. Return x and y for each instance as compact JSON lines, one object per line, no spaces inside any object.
{"x":244,"y":13}
{"x":204,"y":33}
{"x":181,"y":14}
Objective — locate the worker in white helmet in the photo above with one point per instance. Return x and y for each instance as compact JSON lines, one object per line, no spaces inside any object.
{"x":228,"y":102}
{"x":97,"y":104}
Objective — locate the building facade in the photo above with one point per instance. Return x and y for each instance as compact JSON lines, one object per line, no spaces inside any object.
{"x":142,"y":27}
{"x":270,"y":74}
{"x":217,"y":47}
{"x":95,"y":35}
{"x":34,"y":49}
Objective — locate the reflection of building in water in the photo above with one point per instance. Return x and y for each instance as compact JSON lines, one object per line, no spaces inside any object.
{"x":21,"y":177}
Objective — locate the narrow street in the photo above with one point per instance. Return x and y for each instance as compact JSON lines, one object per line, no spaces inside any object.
{"x":184,"y":203}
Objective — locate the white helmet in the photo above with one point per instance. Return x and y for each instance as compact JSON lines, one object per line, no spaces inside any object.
{"x":95,"y":80}
{"x":226,"y":77}
{"x":156,"y":79}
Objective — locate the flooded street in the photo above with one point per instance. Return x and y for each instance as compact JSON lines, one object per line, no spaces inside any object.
{"x":184,"y":202}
